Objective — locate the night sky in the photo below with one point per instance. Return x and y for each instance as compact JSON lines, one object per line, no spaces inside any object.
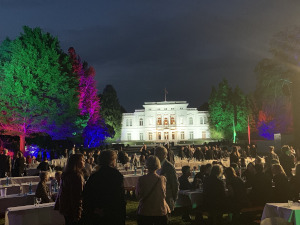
{"x":142,"y":47}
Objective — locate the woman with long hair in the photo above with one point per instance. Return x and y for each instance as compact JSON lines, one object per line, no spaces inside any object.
{"x":71,"y":188}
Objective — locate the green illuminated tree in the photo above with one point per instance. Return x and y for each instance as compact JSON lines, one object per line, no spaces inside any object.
{"x":228,"y":110}
{"x":38,"y":91}
{"x":111,"y":111}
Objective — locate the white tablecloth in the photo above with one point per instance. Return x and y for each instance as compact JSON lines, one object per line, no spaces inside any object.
{"x":15,"y":200}
{"x":59,"y":162}
{"x":131,"y":180}
{"x":281,"y":214}
{"x":20,"y":180}
{"x":11,"y":189}
{"x":192,"y":198}
{"x":43,"y":214}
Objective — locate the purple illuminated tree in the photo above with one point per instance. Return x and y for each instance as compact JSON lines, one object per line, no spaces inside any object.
{"x":89,"y":103}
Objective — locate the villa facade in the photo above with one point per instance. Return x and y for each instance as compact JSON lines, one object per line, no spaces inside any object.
{"x":166,"y":121}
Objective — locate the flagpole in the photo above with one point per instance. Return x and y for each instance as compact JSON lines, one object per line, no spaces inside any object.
{"x":249,"y":139}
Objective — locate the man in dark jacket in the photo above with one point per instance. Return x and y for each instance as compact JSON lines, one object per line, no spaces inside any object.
{"x":5,"y":164}
{"x":103,"y":197}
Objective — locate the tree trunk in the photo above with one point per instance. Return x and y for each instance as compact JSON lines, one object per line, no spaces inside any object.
{"x":22,"y":143}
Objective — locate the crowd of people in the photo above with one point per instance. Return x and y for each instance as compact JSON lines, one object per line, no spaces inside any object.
{"x":92,"y":192}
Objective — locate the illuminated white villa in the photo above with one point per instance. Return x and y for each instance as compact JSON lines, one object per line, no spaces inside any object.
{"x":166,"y":121}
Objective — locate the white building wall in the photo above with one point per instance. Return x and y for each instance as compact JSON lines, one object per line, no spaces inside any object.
{"x":137,"y":126}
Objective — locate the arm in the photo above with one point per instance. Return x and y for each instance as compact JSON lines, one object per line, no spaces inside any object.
{"x":77,"y":197}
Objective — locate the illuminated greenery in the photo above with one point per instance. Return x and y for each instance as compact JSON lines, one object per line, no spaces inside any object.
{"x":38,"y":91}
{"x":227,"y":108}
{"x":111,"y":111}
{"x":277,"y":92}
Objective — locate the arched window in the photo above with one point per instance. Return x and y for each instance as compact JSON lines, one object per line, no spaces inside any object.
{"x":166,"y":122}
{"x":190,"y":121}
{"x":159,"y":122}
{"x":205,"y":120}
{"x":172,"y":120}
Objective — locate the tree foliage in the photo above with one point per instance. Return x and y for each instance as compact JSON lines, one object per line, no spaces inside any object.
{"x":37,"y":93}
{"x":228,"y":111}
{"x":277,"y":85}
{"x":89,"y":103}
{"x":111,"y":111}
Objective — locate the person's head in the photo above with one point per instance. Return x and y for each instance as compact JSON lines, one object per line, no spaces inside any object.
{"x":259,"y":168}
{"x":19,"y":154}
{"x":277,"y":169}
{"x":216,"y":171}
{"x":75,"y":163}
{"x":186,"y":171}
{"x":58,"y":176}
{"x":108,"y":158}
{"x":91,"y":160}
{"x":5,"y":151}
{"x":208,"y":167}
{"x":153,"y":163}
{"x":271,"y":149}
{"x":161,"y":153}
{"x":251,"y":167}
{"x":286,"y":149}
{"x":44,"y":176}
{"x":229,"y":173}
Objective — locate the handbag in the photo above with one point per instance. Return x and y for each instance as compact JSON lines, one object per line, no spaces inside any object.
{"x":149,"y":193}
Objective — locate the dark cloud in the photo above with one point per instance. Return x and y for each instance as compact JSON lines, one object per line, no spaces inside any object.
{"x":142,"y":47}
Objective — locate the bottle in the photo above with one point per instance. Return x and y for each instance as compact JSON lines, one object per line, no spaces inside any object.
{"x":194,"y":174}
{"x":142,"y":172}
{"x":7,"y":180}
{"x":135,"y":170}
{"x":55,"y":186}
{"x":30,"y":188}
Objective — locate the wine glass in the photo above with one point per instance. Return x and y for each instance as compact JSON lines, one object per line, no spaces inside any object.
{"x":38,"y":201}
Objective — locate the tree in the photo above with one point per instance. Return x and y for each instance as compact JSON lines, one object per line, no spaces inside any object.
{"x":277,"y":91}
{"x":112,"y":111}
{"x":228,"y":111}
{"x":37,"y":94}
{"x":89,"y":103}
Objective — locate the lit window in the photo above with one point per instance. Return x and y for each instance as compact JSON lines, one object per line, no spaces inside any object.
{"x":166,"y":122}
{"x":166,"y":135}
{"x":150,"y":136}
{"x":172,"y":120}
{"x":173,"y":135}
{"x":203,"y":134}
{"x":159,"y":135}
{"x":159,"y":122}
